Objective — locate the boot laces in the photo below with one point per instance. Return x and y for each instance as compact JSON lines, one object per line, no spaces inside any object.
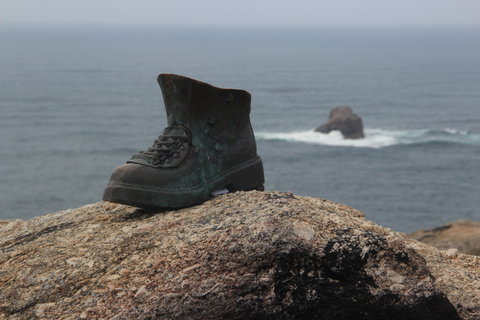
{"x":166,"y":151}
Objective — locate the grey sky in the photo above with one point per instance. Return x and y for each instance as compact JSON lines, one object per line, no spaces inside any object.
{"x":244,"y":12}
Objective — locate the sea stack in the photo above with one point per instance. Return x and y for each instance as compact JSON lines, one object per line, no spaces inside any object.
{"x":344,"y":120}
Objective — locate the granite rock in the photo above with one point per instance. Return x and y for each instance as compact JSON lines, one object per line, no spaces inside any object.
{"x":463,"y":235}
{"x":246,"y":255}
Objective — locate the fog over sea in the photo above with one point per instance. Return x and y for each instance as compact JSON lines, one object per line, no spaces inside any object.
{"x":76,"y":102}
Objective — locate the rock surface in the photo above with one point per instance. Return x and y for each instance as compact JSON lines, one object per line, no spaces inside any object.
{"x":463,"y":235}
{"x":247,"y":255}
{"x":344,"y":120}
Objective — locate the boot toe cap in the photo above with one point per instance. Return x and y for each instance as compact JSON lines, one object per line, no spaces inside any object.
{"x":142,"y":186}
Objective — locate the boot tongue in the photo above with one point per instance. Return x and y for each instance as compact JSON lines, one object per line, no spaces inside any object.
{"x":175,"y":131}
{"x":168,"y":151}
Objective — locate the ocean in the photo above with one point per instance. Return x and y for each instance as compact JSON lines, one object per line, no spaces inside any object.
{"x":78,"y":101}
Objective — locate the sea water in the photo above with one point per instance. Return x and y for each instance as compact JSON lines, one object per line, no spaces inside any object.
{"x":76,"y":102}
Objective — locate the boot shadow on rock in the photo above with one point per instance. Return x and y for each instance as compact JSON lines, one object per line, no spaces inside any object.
{"x":208,"y":145}
{"x":344,"y":120}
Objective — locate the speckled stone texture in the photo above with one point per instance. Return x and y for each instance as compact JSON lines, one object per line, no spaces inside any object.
{"x":463,"y":235}
{"x":246,"y":255}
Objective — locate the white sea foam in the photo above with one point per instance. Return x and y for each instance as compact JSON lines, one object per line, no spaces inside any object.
{"x":374,"y":138}
{"x":455,"y":132}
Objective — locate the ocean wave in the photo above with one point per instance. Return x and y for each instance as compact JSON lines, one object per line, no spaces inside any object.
{"x":376,"y":138}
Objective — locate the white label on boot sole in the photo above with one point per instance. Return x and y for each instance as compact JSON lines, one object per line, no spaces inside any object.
{"x":219,"y":192}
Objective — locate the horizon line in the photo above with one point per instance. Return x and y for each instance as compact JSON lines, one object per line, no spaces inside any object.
{"x":219,"y":25}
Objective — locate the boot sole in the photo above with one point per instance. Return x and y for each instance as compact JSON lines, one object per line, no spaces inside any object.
{"x":247,"y":176}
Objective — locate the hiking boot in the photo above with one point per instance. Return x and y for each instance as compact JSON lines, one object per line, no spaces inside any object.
{"x":208,"y":145}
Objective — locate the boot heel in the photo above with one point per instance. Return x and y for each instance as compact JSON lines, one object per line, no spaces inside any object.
{"x":249,"y":176}
{"x":259,"y":188}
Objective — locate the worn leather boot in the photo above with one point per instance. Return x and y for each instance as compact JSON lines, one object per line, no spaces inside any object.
{"x":208,"y":145}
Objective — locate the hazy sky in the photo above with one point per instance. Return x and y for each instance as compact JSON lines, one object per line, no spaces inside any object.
{"x":244,"y":12}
